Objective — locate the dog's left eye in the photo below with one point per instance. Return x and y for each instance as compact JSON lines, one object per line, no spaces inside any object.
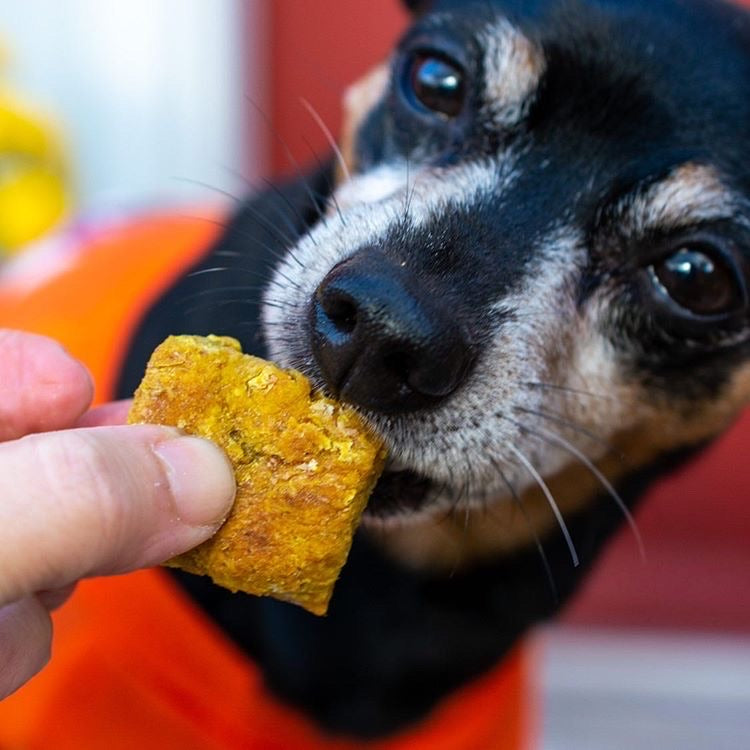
{"x":437,"y":84}
{"x":699,"y":280}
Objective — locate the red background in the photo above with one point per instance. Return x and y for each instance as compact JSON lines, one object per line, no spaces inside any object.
{"x":317,"y":48}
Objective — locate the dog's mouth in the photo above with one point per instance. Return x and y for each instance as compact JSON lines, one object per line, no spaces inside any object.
{"x":399,"y":493}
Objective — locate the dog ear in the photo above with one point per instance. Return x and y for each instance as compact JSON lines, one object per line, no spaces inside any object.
{"x":417,"y":7}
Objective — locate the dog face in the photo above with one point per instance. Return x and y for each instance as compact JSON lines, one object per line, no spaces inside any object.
{"x":537,"y":254}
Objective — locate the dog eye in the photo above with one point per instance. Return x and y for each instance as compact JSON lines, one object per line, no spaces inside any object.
{"x":437,"y":84}
{"x":700,"y":279}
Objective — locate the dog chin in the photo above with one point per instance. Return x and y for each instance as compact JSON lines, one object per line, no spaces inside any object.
{"x":400,"y":495}
{"x":405,"y":497}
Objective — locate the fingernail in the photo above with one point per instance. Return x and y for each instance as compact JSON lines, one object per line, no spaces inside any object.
{"x":200,"y":478}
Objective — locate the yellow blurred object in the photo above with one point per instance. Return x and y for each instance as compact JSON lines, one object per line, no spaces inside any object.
{"x":34,"y":193}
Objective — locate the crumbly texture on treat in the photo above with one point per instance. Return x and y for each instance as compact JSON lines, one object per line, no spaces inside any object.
{"x":304,"y":464}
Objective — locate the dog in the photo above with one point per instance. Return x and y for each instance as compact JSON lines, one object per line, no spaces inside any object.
{"x":528,"y":268}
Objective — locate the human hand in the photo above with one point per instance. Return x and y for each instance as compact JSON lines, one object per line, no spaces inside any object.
{"x":83,"y":495}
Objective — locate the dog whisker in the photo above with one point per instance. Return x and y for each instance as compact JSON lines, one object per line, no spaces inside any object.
{"x":407,"y":194}
{"x":464,"y":537}
{"x":224,"y":302}
{"x":329,"y":137}
{"x":317,"y":200}
{"x":292,"y":282}
{"x":208,"y":186}
{"x":518,"y":503}
{"x":214,"y":269}
{"x":330,"y":187}
{"x":287,"y":240}
{"x":565,"y":389}
{"x":303,"y":222}
{"x":243,"y":233}
{"x":294,"y":230}
{"x":537,"y":477}
{"x":203,"y":296}
{"x":233,"y":270}
{"x":267,"y":267}
{"x":220,"y":223}
{"x":271,"y":303}
{"x":572,"y":425}
{"x":302,"y":229}
{"x":553,"y":439}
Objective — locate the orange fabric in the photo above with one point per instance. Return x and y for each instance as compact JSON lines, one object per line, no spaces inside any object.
{"x":135,"y":663}
{"x":97,"y":298}
{"x":135,"y":666}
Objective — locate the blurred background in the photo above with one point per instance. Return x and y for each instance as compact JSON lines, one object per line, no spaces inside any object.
{"x":108,"y":110}
{"x":145,"y":97}
{"x":161,"y":102}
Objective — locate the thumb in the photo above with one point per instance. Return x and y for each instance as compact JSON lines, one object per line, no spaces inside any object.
{"x":104,"y":500}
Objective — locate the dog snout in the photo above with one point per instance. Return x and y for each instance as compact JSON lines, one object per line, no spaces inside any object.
{"x":382,"y":340}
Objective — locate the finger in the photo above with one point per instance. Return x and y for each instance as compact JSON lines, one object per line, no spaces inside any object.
{"x":56,"y":597}
{"x":25,"y":638}
{"x":104,"y":500}
{"x":107,"y":414}
{"x":43,"y":387}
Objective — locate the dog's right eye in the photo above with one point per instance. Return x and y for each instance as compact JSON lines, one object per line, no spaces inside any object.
{"x":700,"y":280}
{"x":436,"y":84}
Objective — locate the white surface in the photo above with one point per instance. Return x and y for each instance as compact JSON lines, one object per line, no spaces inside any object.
{"x":640,"y":691}
{"x":151,"y":93}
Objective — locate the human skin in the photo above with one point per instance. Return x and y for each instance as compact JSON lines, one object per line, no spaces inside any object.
{"x":82,"y":494}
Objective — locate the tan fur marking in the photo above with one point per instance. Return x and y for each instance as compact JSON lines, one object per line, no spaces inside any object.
{"x":693,"y":192}
{"x":359,"y":99}
{"x":513,"y":67}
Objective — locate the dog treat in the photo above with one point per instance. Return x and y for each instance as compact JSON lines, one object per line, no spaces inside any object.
{"x":304,"y":464}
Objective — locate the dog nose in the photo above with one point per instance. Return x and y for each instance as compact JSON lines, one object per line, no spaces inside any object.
{"x":381,"y":341}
